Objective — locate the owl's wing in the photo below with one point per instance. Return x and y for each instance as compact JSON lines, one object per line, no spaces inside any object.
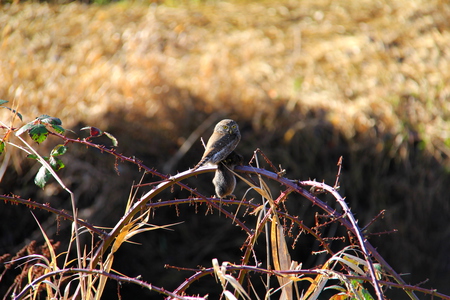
{"x":218,"y":147}
{"x":214,"y":147}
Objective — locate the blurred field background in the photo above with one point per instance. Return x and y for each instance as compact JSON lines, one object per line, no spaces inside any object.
{"x":308,"y":81}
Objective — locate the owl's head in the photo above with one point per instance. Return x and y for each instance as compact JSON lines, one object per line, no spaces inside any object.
{"x":227,"y":126}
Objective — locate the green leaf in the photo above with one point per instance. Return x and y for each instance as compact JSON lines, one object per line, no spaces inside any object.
{"x":58,"y":128}
{"x":2,"y":145}
{"x":56,"y":163}
{"x":24,"y":128}
{"x":112,"y":138}
{"x":3,"y":102}
{"x":38,"y":133}
{"x":58,"y":150}
{"x":367,"y":295}
{"x":32,"y":156}
{"x":49,"y":120}
{"x":42,"y":176}
{"x":13,"y":110}
{"x":42,"y":117}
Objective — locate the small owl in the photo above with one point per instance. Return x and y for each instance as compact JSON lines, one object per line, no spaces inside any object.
{"x":224,"y":139}
{"x":224,"y":180}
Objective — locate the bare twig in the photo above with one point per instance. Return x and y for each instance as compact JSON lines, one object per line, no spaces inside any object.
{"x":380,"y":215}
{"x":199,"y":273}
{"x":169,"y":166}
{"x":101,"y":273}
{"x":47,"y":207}
{"x":338,"y":175}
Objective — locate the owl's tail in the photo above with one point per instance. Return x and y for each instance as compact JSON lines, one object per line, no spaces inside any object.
{"x":203,"y":161}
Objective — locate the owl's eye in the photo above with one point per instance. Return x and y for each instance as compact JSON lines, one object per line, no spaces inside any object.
{"x":234,"y":126}
{"x":225,"y":127}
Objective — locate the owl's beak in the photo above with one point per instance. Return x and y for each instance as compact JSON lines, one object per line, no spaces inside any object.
{"x":230,"y":131}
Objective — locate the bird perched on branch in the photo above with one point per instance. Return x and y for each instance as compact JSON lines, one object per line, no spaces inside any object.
{"x":224,"y":180}
{"x":222,"y":142}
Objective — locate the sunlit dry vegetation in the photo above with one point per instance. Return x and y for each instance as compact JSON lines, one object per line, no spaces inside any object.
{"x":308,"y":81}
{"x":373,"y":67}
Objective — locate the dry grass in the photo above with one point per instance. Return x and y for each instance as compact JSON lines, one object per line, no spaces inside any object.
{"x":367,"y":64}
{"x":365,"y":79}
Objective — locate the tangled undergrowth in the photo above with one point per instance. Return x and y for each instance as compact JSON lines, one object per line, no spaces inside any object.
{"x":354,"y":271}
